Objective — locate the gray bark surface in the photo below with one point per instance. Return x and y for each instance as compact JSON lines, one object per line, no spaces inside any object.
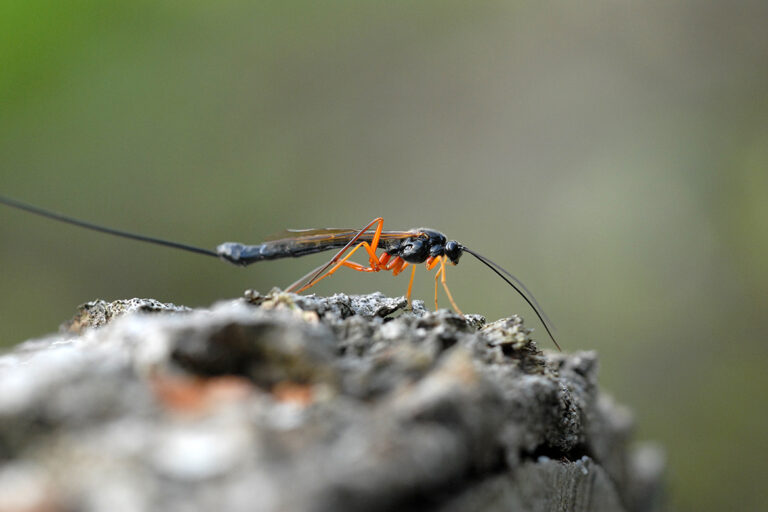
{"x":303,"y":403}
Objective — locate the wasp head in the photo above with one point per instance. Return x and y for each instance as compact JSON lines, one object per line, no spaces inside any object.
{"x":453,"y":250}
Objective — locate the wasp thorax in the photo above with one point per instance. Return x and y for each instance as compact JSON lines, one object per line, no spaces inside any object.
{"x":414,"y":250}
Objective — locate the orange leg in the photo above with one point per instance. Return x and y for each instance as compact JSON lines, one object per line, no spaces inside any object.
{"x":432,"y":262}
{"x":399,"y":267}
{"x":410,"y":284}
{"x":437,"y":274}
{"x":358,"y":267}
{"x":445,"y":286}
{"x":375,"y":267}
{"x":440,"y":274}
{"x":370,"y":249}
{"x":315,"y":276}
{"x":394,"y":263}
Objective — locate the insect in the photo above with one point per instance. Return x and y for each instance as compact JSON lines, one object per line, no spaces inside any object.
{"x":400,"y":249}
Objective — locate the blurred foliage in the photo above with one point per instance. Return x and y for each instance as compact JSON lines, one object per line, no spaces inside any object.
{"x":612,"y":155}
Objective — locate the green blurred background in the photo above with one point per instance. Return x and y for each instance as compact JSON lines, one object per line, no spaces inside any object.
{"x":613,"y":155}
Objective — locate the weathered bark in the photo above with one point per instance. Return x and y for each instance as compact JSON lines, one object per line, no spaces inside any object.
{"x":290,"y":403}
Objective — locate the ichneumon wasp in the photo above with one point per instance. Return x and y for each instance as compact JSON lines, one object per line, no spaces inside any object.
{"x":400,"y":249}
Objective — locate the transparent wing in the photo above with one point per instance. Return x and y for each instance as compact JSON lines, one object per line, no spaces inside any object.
{"x":331,"y":235}
{"x":301,"y":233}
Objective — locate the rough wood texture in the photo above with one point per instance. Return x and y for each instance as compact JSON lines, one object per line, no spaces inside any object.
{"x":290,"y":403}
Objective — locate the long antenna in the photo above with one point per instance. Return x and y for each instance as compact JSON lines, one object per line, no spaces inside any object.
{"x":13,"y":203}
{"x":531,"y":302}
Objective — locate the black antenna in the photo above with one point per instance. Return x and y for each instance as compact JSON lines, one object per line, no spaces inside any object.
{"x":517,"y":285}
{"x":102,"y":229}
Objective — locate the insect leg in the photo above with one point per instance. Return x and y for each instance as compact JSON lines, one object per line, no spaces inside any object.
{"x":340,"y":263}
{"x":399,"y":266}
{"x":445,"y":286}
{"x":431,"y":262}
{"x":440,"y":274}
{"x":358,"y":267}
{"x":410,"y":284}
{"x":311,"y":278}
{"x":389,"y":265}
